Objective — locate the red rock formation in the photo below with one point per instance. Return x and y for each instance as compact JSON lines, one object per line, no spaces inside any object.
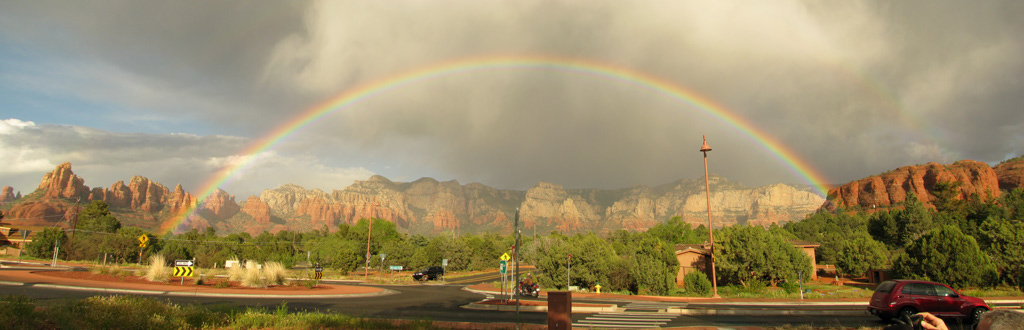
{"x":320,"y":212}
{"x":36,"y":214}
{"x":892,"y":187}
{"x":147,"y":195}
{"x":179,"y":201}
{"x":7,"y":194}
{"x":63,"y":183}
{"x":219,"y":206}
{"x":258,"y":210}
{"x":1011,"y":174}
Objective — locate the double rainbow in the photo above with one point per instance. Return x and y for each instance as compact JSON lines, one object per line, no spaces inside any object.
{"x":793,"y":161}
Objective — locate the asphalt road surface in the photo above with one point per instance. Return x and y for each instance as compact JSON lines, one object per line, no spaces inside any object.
{"x":443,"y":303}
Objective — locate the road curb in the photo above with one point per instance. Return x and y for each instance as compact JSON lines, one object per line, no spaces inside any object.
{"x":768,"y":312}
{"x":384,"y":292}
{"x":540,"y":309}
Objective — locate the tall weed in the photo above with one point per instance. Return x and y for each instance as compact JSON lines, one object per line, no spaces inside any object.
{"x":252,"y":277}
{"x":274,"y":272}
{"x":157,"y":271}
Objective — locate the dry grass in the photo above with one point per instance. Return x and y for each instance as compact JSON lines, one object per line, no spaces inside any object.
{"x":110,"y":270}
{"x":157,"y":271}
{"x":236,"y":273}
{"x":274,"y":272}
{"x":252,"y":277}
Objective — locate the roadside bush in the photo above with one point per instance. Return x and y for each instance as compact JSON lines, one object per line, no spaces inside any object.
{"x":252,"y":277}
{"x":274,"y":272}
{"x":697,"y":283}
{"x":157,"y":271}
{"x":236,"y":273}
{"x":17,"y":312}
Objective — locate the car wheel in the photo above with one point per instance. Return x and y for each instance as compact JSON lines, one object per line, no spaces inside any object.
{"x":907,"y":312}
{"x":977,"y":313}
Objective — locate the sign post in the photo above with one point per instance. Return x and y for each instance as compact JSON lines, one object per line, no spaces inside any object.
{"x":183,"y":268}
{"x":568,"y":272}
{"x":24,"y":237}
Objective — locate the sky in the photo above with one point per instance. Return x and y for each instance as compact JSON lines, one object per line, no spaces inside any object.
{"x":177,"y":91}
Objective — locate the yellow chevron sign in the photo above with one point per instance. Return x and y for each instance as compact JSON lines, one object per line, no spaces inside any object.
{"x":183,"y":271}
{"x":319,"y":275}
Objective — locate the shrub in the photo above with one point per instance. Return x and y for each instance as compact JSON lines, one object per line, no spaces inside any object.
{"x":252,"y":277}
{"x":157,"y":270}
{"x":697,"y":283}
{"x":236,"y":273}
{"x":17,"y":312}
{"x":274,"y":272}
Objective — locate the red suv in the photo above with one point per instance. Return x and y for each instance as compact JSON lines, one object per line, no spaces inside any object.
{"x":908,"y":297}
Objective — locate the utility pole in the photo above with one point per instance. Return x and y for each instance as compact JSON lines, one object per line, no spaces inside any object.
{"x":74,"y":225}
{"x":515,"y":254}
{"x":366,"y":273}
{"x":711,"y":232}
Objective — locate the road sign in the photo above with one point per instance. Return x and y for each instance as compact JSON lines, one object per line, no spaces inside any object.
{"x":319,"y":274}
{"x":382,"y":256}
{"x":444,"y":263}
{"x":505,"y":257}
{"x":143,"y":240}
{"x":398,"y":268}
{"x":183,"y":271}
{"x":184,"y":263}
{"x":503,"y":267}
{"x":318,"y":269}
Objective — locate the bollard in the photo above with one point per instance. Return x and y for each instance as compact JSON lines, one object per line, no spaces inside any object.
{"x":598,"y":287}
{"x":559,"y":310}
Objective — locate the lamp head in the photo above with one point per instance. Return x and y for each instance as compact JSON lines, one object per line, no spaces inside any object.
{"x":705,"y":147}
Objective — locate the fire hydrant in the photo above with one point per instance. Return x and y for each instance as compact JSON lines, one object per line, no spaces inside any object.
{"x":598,"y":287}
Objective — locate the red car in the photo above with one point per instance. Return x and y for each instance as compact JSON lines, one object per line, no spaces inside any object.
{"x":907,"y":297}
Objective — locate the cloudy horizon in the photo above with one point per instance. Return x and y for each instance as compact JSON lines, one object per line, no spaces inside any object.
{"x":174,"y":91}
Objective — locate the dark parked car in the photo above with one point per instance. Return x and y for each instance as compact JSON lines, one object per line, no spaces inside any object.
{"x":892,"y":299}
{"x":429,"y":273}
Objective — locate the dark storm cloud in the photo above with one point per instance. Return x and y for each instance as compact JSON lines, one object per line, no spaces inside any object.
{"x":854,"y":87}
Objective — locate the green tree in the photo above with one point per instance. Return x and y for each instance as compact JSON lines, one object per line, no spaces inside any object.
{"x":96,"y":217}
{"x":676,"y":231}
{"x":1003,"y":240}
{"x":949,"y":256}
{"x":697,"y":283}
{"x":1013,"y":201}
{"x":947,"y":197}
{"x":42,"y":244}
{"x":858,"y":253}
{"x":899,"y":228}
{"x":751,"y":253}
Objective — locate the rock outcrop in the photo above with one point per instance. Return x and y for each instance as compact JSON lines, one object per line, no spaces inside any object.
{"x":891,"y":188}
{"x":7,"y":194}
{"x":1011,"y":173}
{"x":428,"y":206}
{"x":63,"y":183}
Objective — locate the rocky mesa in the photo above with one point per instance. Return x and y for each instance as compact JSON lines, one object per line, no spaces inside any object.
{"x":424,"y":206}
{"x":892,"y":187}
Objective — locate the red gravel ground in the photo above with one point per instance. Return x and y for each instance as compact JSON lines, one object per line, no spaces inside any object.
{"x":189,"y":282}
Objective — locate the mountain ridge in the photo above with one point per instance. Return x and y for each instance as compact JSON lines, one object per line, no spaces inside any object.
{"x":423,"y":206}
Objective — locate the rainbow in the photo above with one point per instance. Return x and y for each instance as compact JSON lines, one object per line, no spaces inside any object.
{"x":795,"y":163}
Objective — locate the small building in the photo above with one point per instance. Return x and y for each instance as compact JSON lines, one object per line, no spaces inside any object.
{"x":13,"y":240}
{"x":696,"y":257}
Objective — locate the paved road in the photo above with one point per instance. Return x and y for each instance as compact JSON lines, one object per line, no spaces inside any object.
{"x":442,"y":303}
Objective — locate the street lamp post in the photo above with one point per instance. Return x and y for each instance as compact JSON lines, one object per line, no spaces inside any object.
{"x":711,"y":232}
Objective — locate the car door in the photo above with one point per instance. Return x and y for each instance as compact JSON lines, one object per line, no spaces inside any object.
{"x":946,"y":301}
{"x":925,"y":296}
{"x":916,"y":294}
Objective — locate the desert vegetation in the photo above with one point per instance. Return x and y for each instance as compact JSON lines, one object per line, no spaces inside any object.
{"x":980,"y":239}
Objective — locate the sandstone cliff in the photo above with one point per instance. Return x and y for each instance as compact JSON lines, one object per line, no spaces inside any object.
{"x":891,"y":187}
{"x":7,"y":194}
{"x":424,"y":206}
{"x":1011,"y":173}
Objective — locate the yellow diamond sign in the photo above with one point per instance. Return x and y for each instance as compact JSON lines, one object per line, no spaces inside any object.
{"x":505,"y":257}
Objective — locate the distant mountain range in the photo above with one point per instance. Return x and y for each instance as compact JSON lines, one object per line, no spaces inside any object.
{"x":427,"y":206}
{"x":424,"y":206}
